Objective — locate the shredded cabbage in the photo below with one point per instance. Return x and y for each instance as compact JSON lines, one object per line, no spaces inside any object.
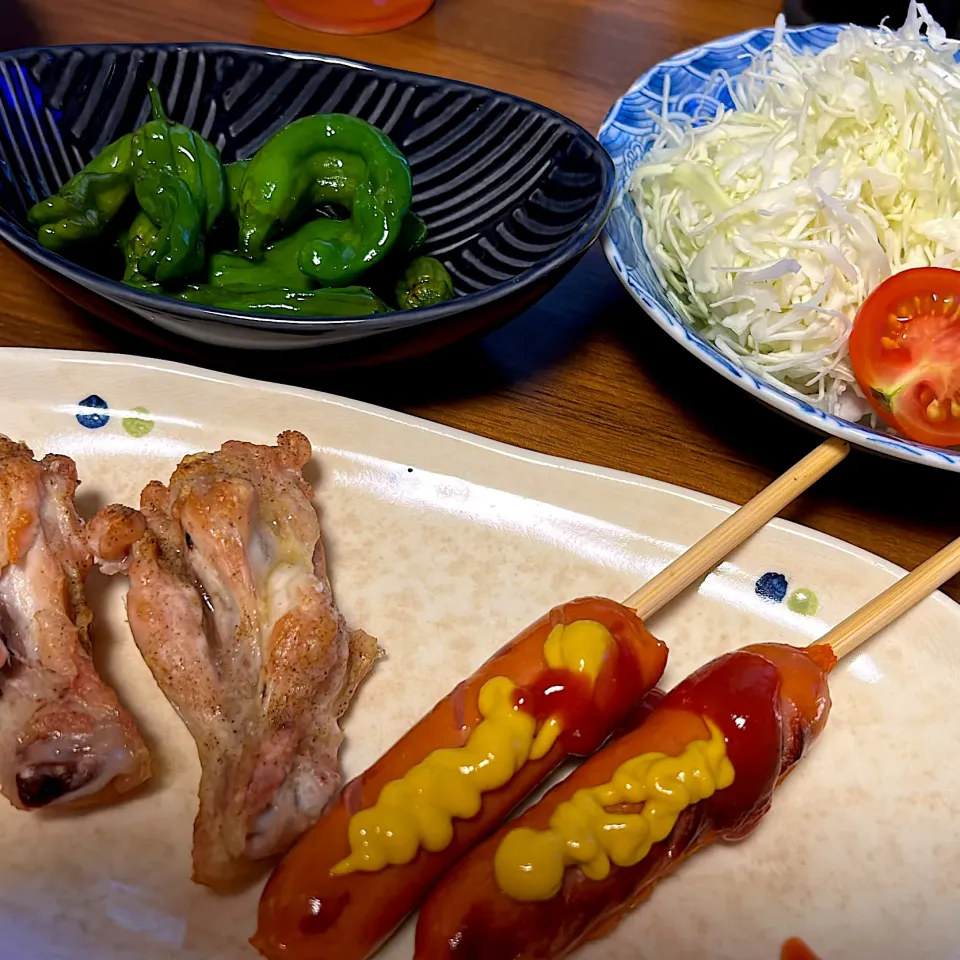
{"x":769,"y":224}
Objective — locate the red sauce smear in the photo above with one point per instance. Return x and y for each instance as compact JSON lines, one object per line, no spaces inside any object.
{"x":584,"y":708}
{"x":744,"y":693}
{"x":796,"y":949}
{"x":823,"y":656}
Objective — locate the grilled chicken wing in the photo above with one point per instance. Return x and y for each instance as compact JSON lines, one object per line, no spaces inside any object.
{"x":230,"y":605}
{"x":64,"y":737}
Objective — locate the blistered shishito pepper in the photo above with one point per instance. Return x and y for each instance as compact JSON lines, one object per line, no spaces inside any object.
{"x":279,"y":268}
{"x":275,"y":271}
{"x":327,"y":158}
{"x":88,"y":201}
{"x":177,"y":248}
{"x":413,"y":234}
{"x":330,"y":302}
{"x":385,"y":275}
{"x":338,"y":302}
{"x":424,"y":283}
{"x":162,"y":144}
{"x":139,"y":238}
{"x":235,"y":172}
{"x":341,"y":302}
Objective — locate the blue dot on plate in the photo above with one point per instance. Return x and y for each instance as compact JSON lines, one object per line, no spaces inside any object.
{"x":772,"y":586}
{"x":95,"y":418}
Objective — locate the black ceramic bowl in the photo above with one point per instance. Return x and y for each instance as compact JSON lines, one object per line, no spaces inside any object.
{"x":512,"y":193}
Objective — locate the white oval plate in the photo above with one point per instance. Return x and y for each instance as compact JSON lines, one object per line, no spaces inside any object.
{"x":627,"y":134}
{"x":444,"y":546}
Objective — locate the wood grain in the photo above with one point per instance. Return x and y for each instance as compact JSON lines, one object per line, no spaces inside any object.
{"x":583,"y":374}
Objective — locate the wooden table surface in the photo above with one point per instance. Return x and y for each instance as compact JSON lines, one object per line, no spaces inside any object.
{"x":584,"y":374}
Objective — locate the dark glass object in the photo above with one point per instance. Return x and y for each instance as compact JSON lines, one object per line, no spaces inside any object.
{"x":869,"y":13}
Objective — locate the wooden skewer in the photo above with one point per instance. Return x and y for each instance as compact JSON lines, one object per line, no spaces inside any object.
{"x":893,"y":602}
{"x":704,"y":555}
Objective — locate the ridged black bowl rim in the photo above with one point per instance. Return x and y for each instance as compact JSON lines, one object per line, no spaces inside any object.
{"x":113,"y":290}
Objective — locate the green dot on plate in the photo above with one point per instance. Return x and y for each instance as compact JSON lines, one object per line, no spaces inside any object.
{"x":803,"y":601}
{"x":138,"y":426}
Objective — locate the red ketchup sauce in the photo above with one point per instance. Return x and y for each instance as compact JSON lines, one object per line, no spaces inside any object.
{"x":585,"y":710}
{"x":796,"y":949}
{"x":743,"y":693}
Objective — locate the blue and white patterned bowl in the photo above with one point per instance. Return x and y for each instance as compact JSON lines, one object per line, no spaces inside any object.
{"x":627,"y":134}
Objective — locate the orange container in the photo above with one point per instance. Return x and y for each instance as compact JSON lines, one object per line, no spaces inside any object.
{"x":350,"y":16}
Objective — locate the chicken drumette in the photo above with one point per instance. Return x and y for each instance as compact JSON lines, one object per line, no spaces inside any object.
{"x":64,"y":737}
{"x":231,"y":607}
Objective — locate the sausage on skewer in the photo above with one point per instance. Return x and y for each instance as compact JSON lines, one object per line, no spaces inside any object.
{"x":701,"y":768}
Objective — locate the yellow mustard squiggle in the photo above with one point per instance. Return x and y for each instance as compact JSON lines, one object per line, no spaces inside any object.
{"x":530,"y":864}
{"x":580,"y":647}
{"x":417,"y":811}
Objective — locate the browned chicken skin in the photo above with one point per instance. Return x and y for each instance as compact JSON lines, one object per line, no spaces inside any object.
{"x":64,"y":737}
{"x":230,"y":605}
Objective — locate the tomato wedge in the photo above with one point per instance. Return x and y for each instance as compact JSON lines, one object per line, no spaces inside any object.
{"x":905,"y":351}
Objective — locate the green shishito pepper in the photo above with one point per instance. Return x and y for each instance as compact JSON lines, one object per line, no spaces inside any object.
{"x":327,"y":158}
{"x":275,"y":271}
{"x":424,"y":283}
{"x":413,"y":234}
{"x":176,"y":249}
{"x":279,"y":268}
{"x":340,"y":302}
{"x":181,"y":186}
{"x":139,"y":238}
{"x":164,"y":145}
{"x":235,"y":172}
{"x":313,"y":304}
{"x":86,"y":203}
